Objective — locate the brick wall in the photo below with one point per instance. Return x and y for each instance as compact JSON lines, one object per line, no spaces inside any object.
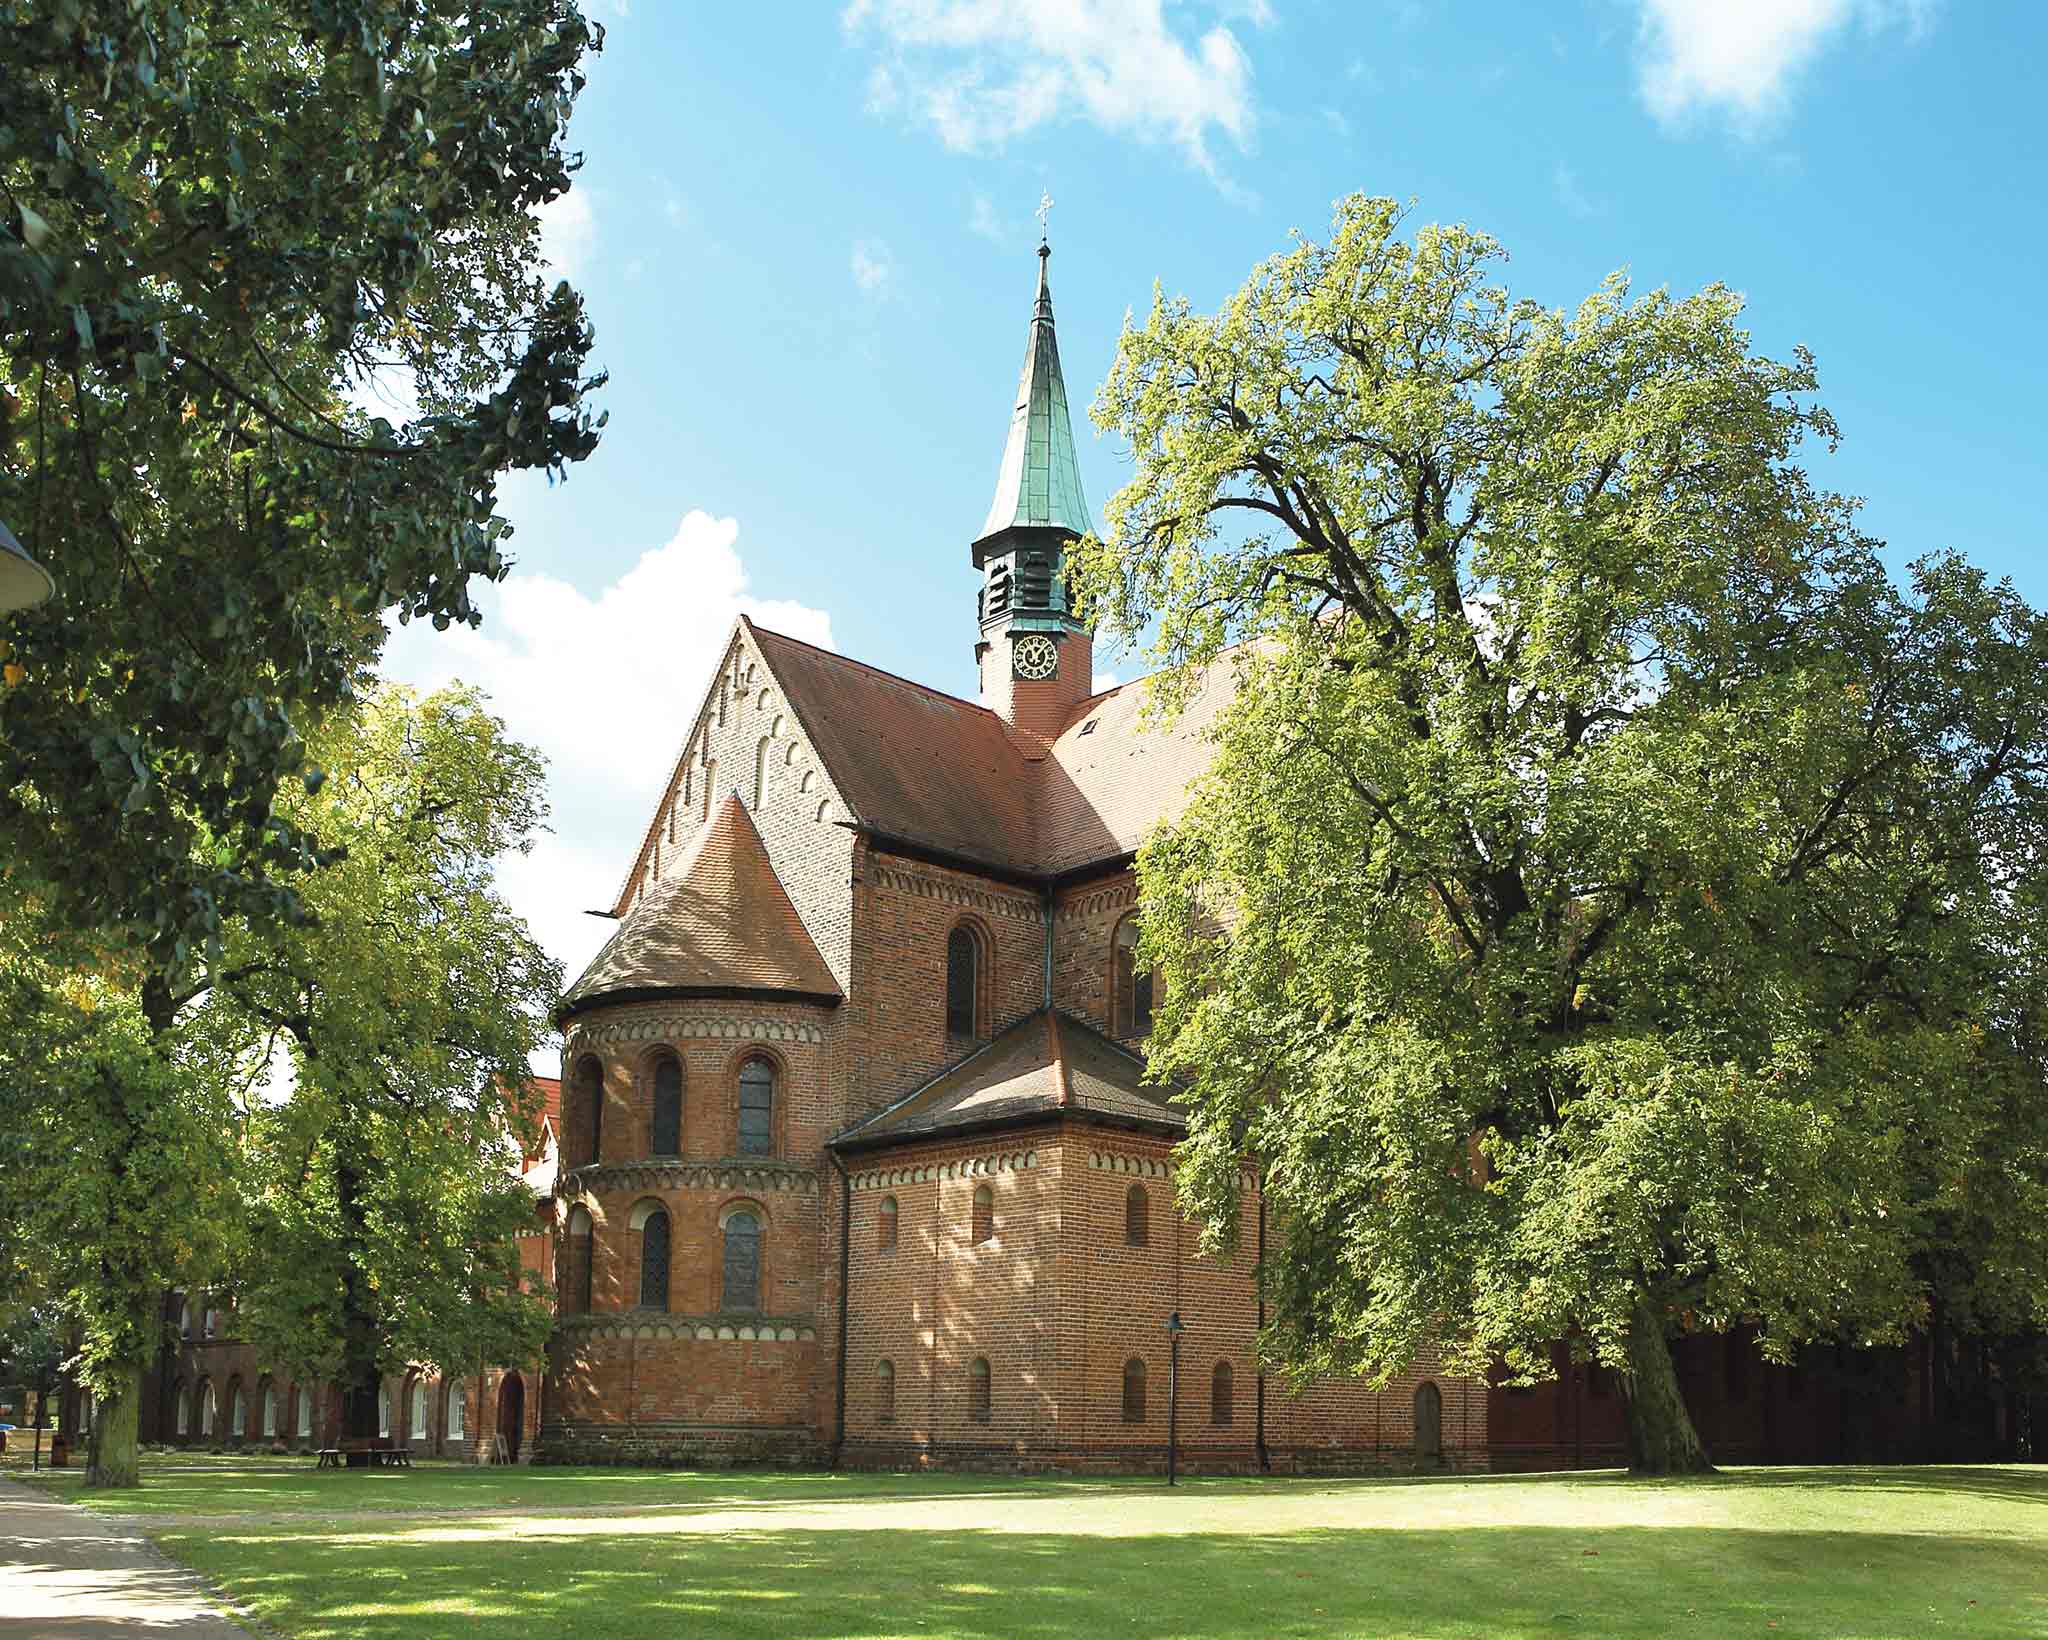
{"x":1057,"y":1301}
{"x":905,"y":910}
{"x":1036,"y":707}
{"x":795,"y":809}
{"x":1084,"y":922}
{"x":940,"y":1301}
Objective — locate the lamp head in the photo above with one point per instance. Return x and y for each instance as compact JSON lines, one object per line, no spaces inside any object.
{"x":24,"y":583}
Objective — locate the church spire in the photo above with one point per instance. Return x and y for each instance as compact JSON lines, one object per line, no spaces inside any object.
{"x":1036,"y":659}
{"x":1039,"y":483}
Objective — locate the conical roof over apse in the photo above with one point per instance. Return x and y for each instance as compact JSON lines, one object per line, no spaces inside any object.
{"x":1039,"y":485}
{"x":722,"y":922}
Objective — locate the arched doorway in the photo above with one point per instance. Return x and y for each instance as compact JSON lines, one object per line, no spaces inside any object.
{"x":512,"y":1413}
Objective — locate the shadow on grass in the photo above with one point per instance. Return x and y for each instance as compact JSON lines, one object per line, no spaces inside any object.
{"x":2008,"y":1483}
{"x":1507,"y":1583}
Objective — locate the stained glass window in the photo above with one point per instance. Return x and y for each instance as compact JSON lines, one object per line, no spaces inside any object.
{"x":742,"y":1262}
{"x":654,"y":1262}
{"x":757,"y":1108}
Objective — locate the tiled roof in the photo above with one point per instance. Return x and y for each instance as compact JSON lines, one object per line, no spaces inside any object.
{"x":1045,"y":1063}
{"x":551,"y":1096}
{"x":723,"y":921}
{"x":910,"y":761}
{"x":931,"y":769}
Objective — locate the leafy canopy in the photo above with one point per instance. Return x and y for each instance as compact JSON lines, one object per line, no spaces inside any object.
{"x":221,"y":226}
{"x":1633,"y":899}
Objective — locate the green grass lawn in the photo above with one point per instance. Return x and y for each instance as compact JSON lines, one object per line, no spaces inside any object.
{"x":619,"y":1554}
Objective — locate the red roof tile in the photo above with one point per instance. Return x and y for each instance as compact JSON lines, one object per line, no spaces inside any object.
{"x":551,"y":1096}
{"x":1046,"y":1062}
{"x":931,"y":769}
{"x":910,"y":762}
{"x":723,"y":921}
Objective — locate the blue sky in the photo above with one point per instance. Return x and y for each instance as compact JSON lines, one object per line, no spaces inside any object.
{"x":805,"y":235}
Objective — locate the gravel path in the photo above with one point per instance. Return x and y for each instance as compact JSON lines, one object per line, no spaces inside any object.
{"x":70,"y":1574}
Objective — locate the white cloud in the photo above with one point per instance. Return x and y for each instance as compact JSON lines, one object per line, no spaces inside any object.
{"x":983,"y":71}
{"x":605,"y":686}
{"x":568,"y":230}
{"x":872,"y":269}
{"x":1564,"y":183}
{"x":982,"y":219}
{"x":1742,"y":55}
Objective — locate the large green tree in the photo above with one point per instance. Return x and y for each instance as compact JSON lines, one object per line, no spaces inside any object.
{"x":1632,"y":897}
{"x":117,"y":1147}
{"x":224,"y":228}
{"x":221,"y":226}
{"x":382,"y":1196}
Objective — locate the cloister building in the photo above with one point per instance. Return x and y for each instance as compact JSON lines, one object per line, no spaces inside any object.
{"x":856,"y":1158}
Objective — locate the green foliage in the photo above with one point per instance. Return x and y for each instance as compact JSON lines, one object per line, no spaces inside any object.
{"x":1631,"y":893}
{"x":381,"y":1197}
{"x":115,"y":1146}
{"x":220,"y":224}
{"x":32,"y":1352}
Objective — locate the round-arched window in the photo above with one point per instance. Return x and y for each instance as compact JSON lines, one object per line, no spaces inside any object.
{"x":666,"y":1139}
{"x":757,"y":1107}
{"x":742,"y":1283}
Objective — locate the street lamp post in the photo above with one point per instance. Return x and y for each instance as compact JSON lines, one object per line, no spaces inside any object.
{"x":1173,"y":1332}
{"x":24,"y":583}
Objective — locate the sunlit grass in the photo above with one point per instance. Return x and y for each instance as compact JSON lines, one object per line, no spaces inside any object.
{"x":1842,"y":1554}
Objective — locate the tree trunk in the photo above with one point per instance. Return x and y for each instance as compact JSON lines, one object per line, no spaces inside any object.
{"x":112,"y":1457}
{"x":1661,"y":1437}
{"x":360,"y":1374}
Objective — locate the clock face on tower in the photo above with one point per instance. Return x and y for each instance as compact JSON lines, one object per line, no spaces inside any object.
{"x":1034,"y":656}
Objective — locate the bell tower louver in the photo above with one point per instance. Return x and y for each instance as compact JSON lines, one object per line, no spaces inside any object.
{"x":1037,"y":661}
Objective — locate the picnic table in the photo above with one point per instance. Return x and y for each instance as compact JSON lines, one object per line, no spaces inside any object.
{"x":361,"y":1454}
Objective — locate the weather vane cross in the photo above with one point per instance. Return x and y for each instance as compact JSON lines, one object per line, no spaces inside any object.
{"x":1044,"y":210}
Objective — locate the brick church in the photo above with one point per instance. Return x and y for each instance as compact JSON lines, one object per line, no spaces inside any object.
{"x":853,"y":1159}
{"x":859,"y":1162}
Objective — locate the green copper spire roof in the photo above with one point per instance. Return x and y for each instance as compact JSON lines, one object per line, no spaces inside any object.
{"x":1040,"y":481}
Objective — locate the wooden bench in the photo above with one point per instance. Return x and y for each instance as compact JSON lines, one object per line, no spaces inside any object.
{"x":361,"y":1454}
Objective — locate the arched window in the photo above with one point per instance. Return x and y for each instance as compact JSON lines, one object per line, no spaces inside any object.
{"x":885,"y":1392}
{"x":761,"y":771}
{"x":742,"y":1262}
{"x":590,"y":1107}
{"x":1222,"y":1382}
{"x":1429,"y":1421}
{"x":963,"y":981}
{"x":885,"y":1225}
{"x":711,"y":771}
{"x":1133,"y":987}
{"x":757,"y":1107}
{"x":384,"y":1410}
{"x":208,"y":1413}
{"x":305,"y":1394}
{"x":269,"y":1410}
{"x":977,"y":1390}
{"x":181,"y":1408}
{"x":576,"y":1261}
{"x":668,"y":1106}
{"x":984,"y":1214}
{"x":416,"y":1422}
{"x":181,"y":1316}
{"x":654,"y":1261}
{"x":1134,"y":1391}
{"x":1137,"y":1217}
{"x":231,"y":1426}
